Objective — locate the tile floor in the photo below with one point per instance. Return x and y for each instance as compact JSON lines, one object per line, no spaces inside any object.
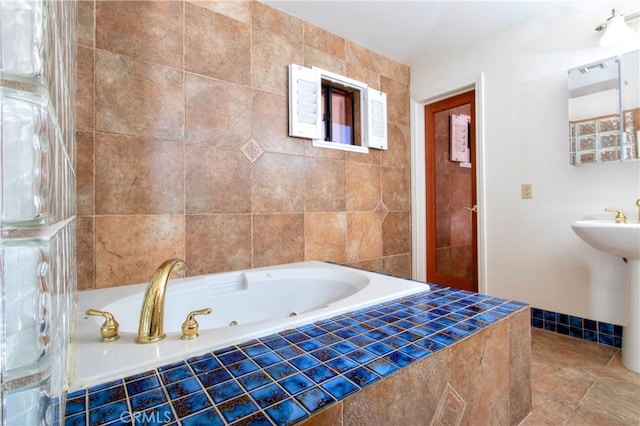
{"x":577,"y":382}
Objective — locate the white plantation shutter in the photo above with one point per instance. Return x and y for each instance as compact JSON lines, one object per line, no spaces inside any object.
{"x":305,"y":118}
{"x":376,"y":119}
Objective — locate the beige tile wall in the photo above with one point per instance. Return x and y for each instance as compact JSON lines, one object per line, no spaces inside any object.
{"x":169,"y":95}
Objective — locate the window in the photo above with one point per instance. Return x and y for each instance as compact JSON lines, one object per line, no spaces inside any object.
{"x":339,"y":123}
{"x":335,"y":111}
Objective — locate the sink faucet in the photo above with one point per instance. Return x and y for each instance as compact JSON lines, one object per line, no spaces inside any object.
{"x":151,"y":324}
{"x":620,"y":216}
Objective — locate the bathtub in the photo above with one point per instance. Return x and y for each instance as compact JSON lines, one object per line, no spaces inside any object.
{"x":245,"y":305}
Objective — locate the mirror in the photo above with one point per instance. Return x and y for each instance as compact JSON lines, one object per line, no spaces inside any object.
{"x":604,"y":110}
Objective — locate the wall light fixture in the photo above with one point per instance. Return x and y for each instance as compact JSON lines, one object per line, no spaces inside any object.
{"x":616,"y":30}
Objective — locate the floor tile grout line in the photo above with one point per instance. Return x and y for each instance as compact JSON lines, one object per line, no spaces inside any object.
{"x":577,"y":405}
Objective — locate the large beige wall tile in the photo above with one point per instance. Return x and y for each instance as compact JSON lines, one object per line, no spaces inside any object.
{"x":317,"y":58}
{"x":396,"y":233}
{"x":317,"y":152}
{"x":128,"y":249}
{"x":277,"y":238}
{"x":399,"y":152}
{"x":204,"y":251}
{"x":218,"y":180}
{"x":271,"y":124}
{"x":145,"y":30}
{"x":270,"y":58}
{"x":326,"y":236}
{"x":396,"y":188}
{"x":325,"y":41}
{"x":85,"y":99}
{"x":356,"y":72}
{"x":84,"y":250}
{"x":84,"y":173}
{"x":138,"y":176}
{"x":397,"y":101}
{"x":364,"y":236}
{"x":395,"y":71}
{"x":398,"y":266}
{"x":374,"y":265}
{"x":363,"y":186}
{"x":277,"y":22}
{"x":138,"y":98}
{"x":408,"y":397}
{"x":85,"y":26}
{"x":236,"y":9}
{"x":216,"y":112}
{"x":362,"y":57}
{"x":324,"y":184}
{"x":372,"y":157}
{"x":217,"y":46}
{"x":278,"y":184}
{"x":482,"y":362}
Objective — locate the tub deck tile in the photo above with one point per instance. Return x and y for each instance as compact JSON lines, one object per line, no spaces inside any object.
{"x":285,"y":377}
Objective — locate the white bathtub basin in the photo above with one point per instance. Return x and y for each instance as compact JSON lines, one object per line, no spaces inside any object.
{"x":259,"y":300}
{"x":243,"y":297}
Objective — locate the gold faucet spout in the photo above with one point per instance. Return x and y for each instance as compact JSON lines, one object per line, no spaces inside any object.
{"x":150,"y":328}
{"x":638,"y":204}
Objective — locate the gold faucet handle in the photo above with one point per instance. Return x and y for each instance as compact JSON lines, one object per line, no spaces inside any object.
{"x":620,"y":217}
{"x":109,"y":330}
{"x":190,"y":325}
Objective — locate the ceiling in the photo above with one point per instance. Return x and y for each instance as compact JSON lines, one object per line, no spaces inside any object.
{"x":409,"y":30}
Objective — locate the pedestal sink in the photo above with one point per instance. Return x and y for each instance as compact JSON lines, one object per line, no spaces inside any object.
{"x":623,"y":240}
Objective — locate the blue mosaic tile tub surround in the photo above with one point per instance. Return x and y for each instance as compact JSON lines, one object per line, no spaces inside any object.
{"x":285,"y":377}
{"x":582,"y":328}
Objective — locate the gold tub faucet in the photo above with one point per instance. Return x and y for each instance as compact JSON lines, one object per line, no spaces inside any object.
{"x":150,"y":328}
{"x":638,"y":204}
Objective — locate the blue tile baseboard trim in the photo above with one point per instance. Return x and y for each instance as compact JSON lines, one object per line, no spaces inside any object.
{"x":285,"y":377}
{"x":582,"y":328}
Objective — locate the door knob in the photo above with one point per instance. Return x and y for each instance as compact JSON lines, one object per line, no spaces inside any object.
{"x":472,"y":209}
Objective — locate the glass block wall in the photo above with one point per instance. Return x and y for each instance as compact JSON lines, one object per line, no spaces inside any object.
{"x":598,"y":139}
{"x":37,"y":208}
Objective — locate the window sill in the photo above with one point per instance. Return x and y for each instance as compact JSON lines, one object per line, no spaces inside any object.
{"x":340,"y":146}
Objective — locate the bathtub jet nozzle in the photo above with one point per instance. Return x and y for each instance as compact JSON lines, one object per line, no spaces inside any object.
{"x":150,"y":328}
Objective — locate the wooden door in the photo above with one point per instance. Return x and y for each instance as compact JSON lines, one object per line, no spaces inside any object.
{"x":451,"y":210}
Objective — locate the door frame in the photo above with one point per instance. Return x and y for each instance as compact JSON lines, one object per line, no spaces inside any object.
{"x":418,"y":181}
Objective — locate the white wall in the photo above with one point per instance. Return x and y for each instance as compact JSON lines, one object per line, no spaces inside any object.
{"x":531,"y":252}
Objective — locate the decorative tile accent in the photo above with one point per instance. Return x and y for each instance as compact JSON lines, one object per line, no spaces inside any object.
{"x":450,"y":408}
{"x":381,"y":210}
{"x":582,"y":328}
{"x":251,"y":150}
{"x":288,"y":376}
